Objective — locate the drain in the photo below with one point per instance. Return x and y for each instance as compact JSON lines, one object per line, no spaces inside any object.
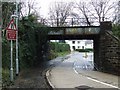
{"x":83,"y":87}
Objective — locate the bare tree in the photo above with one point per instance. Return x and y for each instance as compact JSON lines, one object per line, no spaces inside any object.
{"x":59,"y":12}
{"x":99,"y":10}
{"x":116,"y":18}
{"x":83,"y":8}
{"x":7,"y":10}
{"x":103,"y":8}
{"x":29,"y":7}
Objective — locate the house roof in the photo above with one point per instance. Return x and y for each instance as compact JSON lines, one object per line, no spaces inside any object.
{"x":88,"y":42}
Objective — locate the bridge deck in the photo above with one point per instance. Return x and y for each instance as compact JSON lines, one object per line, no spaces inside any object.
{"x":81,"y":32}
{"x":74,"y":30}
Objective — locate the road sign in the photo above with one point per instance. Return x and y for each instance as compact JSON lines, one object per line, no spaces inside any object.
{"x":11,"y":34}
{"x":11,"y":30}
{"x":11,"y":25}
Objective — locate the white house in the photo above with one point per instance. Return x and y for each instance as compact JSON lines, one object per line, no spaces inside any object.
{"x":76,"y":44}
{"x":79,"y":44}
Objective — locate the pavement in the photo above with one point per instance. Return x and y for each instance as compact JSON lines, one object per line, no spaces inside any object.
{"x":66,"y":75}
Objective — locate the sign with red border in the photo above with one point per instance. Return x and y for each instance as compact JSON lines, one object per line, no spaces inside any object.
{"x":11,"y":31}
{"x":11,"y":25}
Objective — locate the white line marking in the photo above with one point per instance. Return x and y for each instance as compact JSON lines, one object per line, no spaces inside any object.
{"x":47,"y":75}
{"x":75,"y":71}
{"x":102,"y":82}
{"x":98,"y":81}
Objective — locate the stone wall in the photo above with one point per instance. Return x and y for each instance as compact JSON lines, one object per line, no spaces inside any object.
{"x":112,"y":53}
{"x":109,"y":50}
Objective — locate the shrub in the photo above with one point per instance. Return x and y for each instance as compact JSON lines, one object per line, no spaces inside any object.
{"x":89,"y":49}
{"x":82,"y":50}
{"x":56,"y":48}
{"x":59,"y":47}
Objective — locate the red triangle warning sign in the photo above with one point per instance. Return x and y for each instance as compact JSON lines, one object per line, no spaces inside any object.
{"x":11,"y":25}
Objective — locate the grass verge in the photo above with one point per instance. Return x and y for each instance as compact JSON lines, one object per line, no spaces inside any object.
{"x":60,"y":54}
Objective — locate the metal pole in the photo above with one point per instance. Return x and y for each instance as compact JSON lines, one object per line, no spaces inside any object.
{"x":11,"y":66}
{"x":11,"y":59}
{"x":17,"y":64}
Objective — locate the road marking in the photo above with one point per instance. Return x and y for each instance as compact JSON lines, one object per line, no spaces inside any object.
{"x":102,"y":83}
{"x":75,"y":71}
{"x":47,"y":76}
{"x":97,"y":80}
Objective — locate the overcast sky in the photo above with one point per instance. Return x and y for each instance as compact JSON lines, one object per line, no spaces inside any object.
{"x":45,"y":4}
{"x":42,"y":6}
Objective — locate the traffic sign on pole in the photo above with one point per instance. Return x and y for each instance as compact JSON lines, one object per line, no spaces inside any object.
{"x":11,"y":34}
{"x":11,"y":31}
{"x":11,"y":25}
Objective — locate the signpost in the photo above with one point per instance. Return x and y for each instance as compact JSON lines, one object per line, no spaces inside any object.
{"x":11,"y":35}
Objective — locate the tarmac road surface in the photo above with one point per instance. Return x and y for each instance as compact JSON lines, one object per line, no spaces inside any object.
{"x":77,"y":72}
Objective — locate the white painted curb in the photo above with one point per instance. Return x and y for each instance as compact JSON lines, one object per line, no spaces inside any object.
{"x":48,"y":76}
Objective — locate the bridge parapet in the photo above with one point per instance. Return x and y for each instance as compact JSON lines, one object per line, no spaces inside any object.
{"x":74,"y":30}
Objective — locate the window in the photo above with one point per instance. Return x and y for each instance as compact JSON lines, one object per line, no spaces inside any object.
{"x":78,"y":41}
{"x":82,"y":47}
{"x":73,"y":42}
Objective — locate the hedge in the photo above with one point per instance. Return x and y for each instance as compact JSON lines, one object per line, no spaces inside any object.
{"x":84,"y":50}
{"x":59,"y":47}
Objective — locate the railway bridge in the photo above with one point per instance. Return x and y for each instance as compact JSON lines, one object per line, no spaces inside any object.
{"x":106,"y":45}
